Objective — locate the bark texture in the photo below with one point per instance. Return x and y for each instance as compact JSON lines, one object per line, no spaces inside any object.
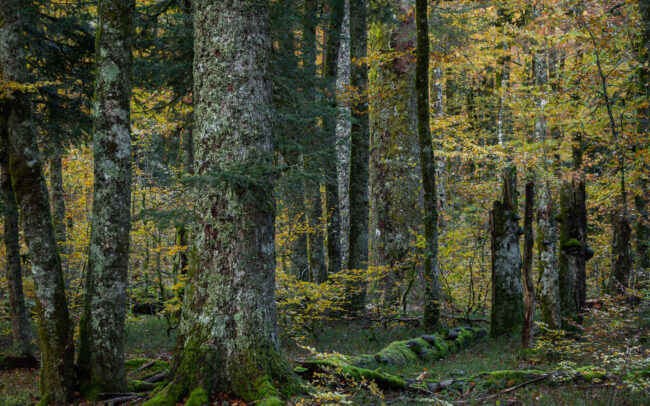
{"x":227,"y":339}
{"x":30,"y":188}
{"x":359,"y":150}
{"x":330,"y":73}
{"x":101,"y":341}
{"x":394,"y":182}
{"x":573,"y":249}
{"x":507,"y":294}
{"x":21,"y":335}
{"x":431,"y":270}
{"x":547,"y":265}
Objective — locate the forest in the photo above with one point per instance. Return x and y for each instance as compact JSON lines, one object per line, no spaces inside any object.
{"x":311,"y":202}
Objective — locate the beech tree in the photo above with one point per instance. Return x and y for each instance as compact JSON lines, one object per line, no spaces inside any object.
{"x":227,"y":339}
{"x":101,"y":329}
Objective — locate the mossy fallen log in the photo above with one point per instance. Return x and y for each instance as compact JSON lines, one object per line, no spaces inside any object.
{"x":400,"y":353}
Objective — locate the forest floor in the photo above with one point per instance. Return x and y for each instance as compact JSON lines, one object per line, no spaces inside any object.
{"x":147,"y":338}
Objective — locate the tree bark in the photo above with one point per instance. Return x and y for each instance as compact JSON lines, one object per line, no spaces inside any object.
{"x":573,"y":249}
{"x":359,"y":152}
{"x":394,"y":184}
{"x":58,"y":203}
{"x":431,"y":270}
{"x":30,"y":188}
{"x":507,"y":295}
{"x":547,"y":265}
{"x":529,"y":285}
{"x":21,"y":334}
{"x":330,"y":73}
{"x":343,"y":129}
{"x":101,"y":328}
{"x":227,"y":340}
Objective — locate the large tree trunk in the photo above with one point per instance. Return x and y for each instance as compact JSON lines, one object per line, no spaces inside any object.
{"x":101,"y":328}
{"x":359,"y":151}
{"x":573,"y":249}
{"x":30,"y":188}
{"x":330,"y":73}
{"x":21,"y":335}
{"x":431,"y":270}
{"x":227,"y":340}
{"x":529,"y":285}
{"x":507,"y":295}
{"x":619,"y":276}
{"x":394,"y":184}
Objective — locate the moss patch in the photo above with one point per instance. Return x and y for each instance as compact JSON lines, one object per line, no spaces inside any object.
{"x":198,"y":397}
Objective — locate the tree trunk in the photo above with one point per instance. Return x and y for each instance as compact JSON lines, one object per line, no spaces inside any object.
{"x":359,"y":152}
{"x":21,"y":334}
{"x":330,"y":73}
{"x":431,"y":270}
{"x":573,"y":249}
{"x":394,"y":184}
{"x":529,"y":285}
{"x":547,"y":265}
{"x":30,"y":188}
{"x":101,"y":328}
{"x":343,"y":129}
{"x":314,"y":204}
{"x":227,"y":339}
{"x":619,"y":276}
{"x":507,"y":295}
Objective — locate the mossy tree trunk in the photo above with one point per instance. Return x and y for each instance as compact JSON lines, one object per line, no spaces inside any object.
{"x":621,"y":265}
{"x":21,"y":335}
{"x":529,"y":285}
{"x":573,"y":248}
{"x":101,"y":328}
{"x":507,"y":295}
{"x":394,"y":185}
{"x":227,"y":339}
{"x":314,"y":203}
{"x":30,"y":188}
{"x":359,"y":151}
{"x":343,"y":130}
{"x":431,"y":270}
{"x":330,"y":72}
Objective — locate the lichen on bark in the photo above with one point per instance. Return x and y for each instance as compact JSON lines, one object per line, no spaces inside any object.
{"x":101,"y":347}
{"x":227,"y":337}
{"x":507,"y":312}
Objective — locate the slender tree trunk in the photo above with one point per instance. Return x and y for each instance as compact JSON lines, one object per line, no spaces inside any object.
{"x":25,"y":167}
{"x":394,"y":184}
{"x":507,"y":295}
{"x":359,"y":151}
{"x":227,"y":340}
{"x":101,"y":328}
{"x":438,"y":107}
{"x":343,"y":130}
{"x":431,"y":270}
{"x":529,"y":285}
{"x":314,"y":204}
{"x":21,"y":334}
{"x":330,"y":73}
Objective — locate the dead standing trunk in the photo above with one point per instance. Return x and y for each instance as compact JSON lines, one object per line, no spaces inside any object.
{"x":529,"y":286}
{"x":507,"y":294}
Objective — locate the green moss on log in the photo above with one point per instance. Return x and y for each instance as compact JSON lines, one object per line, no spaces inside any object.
{"x":383,"y":380}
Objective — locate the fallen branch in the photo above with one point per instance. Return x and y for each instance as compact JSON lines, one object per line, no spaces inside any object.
{"x":145,"y":366}
{"x":120,"y":400}
{"x":156,"y":378}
